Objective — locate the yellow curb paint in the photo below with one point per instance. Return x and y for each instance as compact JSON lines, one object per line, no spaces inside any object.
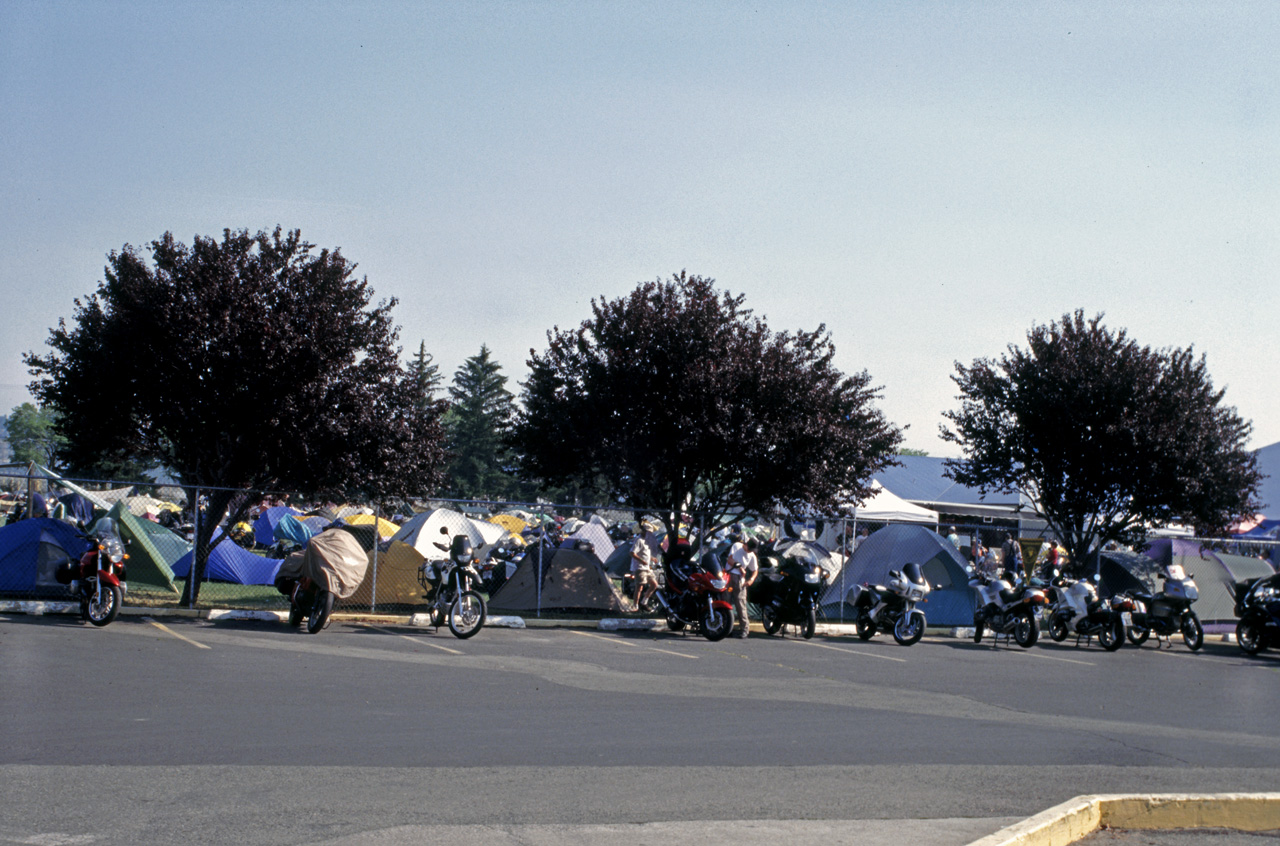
{"x":1079,"y":817}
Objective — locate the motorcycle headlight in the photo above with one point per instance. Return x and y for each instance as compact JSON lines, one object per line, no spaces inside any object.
{"x":812,"y":578}
{"x":718,"y":584}
{"x":114,"y":551}
{"x":915,"y":594}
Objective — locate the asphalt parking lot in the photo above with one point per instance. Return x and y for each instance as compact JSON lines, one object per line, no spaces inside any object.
{"x":249,"y":732}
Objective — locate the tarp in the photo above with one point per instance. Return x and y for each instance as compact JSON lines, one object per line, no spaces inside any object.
{"x":293,"y":530}
{"x":397,"y":578}
{"x":30,"y":552}
{"x":147,"y":565}
{"x":333,"y":559}
{"x":570,"y":581}
{"x":229,"y":562}
{"x":264,"y":528}
{"x":423,"y":531}
{"x":1213,"y":572}
{"x":893,"y":547}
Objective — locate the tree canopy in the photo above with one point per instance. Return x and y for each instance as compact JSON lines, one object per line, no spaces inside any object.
{"x":681,"y":399}
{"x":32,"y":435}
{"x":1105,"y":436}
{"x":253,"y":363}
{"x":477,"y":424}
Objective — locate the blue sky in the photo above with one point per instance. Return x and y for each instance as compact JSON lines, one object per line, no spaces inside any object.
{"x":926,"y":179}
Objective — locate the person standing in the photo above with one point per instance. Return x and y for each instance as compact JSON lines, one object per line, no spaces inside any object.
{"x":1010,"y":554}
{"x":953,"y":538}
{"x":642,"y":563}
{"x":743,"y":569}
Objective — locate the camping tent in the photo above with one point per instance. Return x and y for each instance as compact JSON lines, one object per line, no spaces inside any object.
{"x":1212,"y":570}
{"x":294,"y":530}
{"x":510,"y":522}
{"x":397,"y":578}
{"x":229,"y":562}
{"x":30,"y":552}
{"x":264,"y":528}
{"x":570,"y":580}
{"x":386,"y":528}
{"x":423,"y":531}
{"x":893,"y":547}
{"x":883,"y":506}
{"x":147,"y":565}
{"x":594,"y":534}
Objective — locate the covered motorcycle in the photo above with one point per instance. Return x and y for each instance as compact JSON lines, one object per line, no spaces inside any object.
{"x":331,"y":568}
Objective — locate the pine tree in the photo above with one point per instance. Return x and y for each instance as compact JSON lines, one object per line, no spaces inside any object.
{"x":426,"y":374}
{"x":477,"y":424}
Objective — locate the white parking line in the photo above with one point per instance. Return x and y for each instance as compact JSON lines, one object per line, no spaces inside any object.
{"x":1031,"y":654}
{"x":852,"y":651}
{"x":634,"y":645}
{"x":162,"y":627}
{"x":416,"y":640}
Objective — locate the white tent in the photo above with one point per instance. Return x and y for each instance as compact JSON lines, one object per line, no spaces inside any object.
{"x":423,"y":532}
{"x":884,"y":506}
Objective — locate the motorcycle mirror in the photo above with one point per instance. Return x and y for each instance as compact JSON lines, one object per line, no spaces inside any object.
{"x":1097,"y":577}
{"x":937,"y":587}
{"x":1057,"y":572}
{"x":444,"y":530}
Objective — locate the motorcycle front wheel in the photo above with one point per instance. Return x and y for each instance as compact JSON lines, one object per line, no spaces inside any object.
{"x":716,"y":624}
{"x":1057,"y":629}
{"x":866,"y":627}
{"x":1138,"y":635}
{"x":1192,"y":631}
{"x":102,"y":611}
{"x":769,"y":619}
{"x":1026,"y":632}
{"x":909,"y":628}
{"x":466,"y":614}
{"x":810,"y":624}
{"x":295,"y":614}
{"x":321,"y":608}
{"x":1111,"y":637}
{"x":1249,"y":636}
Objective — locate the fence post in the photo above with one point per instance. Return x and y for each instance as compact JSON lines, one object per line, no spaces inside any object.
{"x":373,"y":596}
{"x":848,"y":556}
{"x":542,"y":542}
{"x":195,"y":550}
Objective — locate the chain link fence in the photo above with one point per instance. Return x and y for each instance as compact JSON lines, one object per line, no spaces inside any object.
{"x":538,"y":559}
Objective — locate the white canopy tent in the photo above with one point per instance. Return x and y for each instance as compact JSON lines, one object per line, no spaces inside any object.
{"x":884,"y":506}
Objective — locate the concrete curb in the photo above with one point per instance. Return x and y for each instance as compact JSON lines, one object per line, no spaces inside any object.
{"x":423,"y":621}
{"x":1079,"y":817}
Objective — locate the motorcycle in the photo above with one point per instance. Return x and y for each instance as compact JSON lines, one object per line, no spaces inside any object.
{"x":1258,"y":607}
{"x":695,"y":596}
{"x":892,"y":607}
{"x":1078,"y":611}
{"x":330,"y":568}
{"x":97,"y":580}
{"x":789,"y":596}
{"x":1006,"y":609}
{"x":449,"y":588}
{"x":1168,"y":611}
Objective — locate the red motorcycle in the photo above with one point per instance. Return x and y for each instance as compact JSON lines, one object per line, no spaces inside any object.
{"x":98,"y":578}
{"x":695,"y":595}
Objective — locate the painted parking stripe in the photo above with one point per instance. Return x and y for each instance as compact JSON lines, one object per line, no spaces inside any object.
{"x":851,"y":651}
{"x":162,"y":627}
{"x":634,"y":645}
{"x":1031,"y":654}
{"x":416,"y":640}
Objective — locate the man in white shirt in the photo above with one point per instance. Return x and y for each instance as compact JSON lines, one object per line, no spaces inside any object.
{"x":743,"y":568}
{"x":642,"y":563}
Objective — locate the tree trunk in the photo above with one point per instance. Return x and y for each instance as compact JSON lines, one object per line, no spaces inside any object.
{"x":220,"y":500}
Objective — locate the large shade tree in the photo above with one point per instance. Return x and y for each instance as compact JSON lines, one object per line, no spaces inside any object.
{"x":681,"y":399}
{"x":246,"y":364}
{"x":1105,"y":437}
{"x":32,"y":435}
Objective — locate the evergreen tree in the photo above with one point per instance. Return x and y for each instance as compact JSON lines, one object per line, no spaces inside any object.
{"x":476,"y":425}
{"x":426,"y":375}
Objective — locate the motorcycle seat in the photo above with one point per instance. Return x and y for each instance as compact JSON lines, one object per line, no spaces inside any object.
{"x":1010,"y":596}
{"x":776,"y":578}
{"x":1142,"y":597}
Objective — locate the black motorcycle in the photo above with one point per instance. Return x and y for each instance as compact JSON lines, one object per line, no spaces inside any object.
{"x":1258,"y":607}
{"x":1168,"y":611}
{"x":788,"y":595}
{"x":892,"y":607}
{"x":449,"y":588}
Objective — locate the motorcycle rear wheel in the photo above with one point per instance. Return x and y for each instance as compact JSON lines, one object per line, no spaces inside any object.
{"x":675,"y":625}
{"x":1250,"y":636}
{"x":909,"y":628}
{"x":102,"y":613}
{"x":1057,"y":629}
{"x":810,"y":624}
{"x":769,"y":619}
{"x":866,"y":627}
{"x":1192,"y":631}
{"x":1026,"y":632}
{"x":716,"y":624}
{"x":466,"y":614}
{"x":321,"y":608}
{"x":1111,"y":637}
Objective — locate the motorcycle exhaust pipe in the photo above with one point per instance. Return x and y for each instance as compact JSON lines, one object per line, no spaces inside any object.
{"x":663,"y":600}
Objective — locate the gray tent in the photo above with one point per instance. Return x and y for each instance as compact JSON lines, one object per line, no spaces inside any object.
{"x":1213,"y":572}
{"x":570,"y":580}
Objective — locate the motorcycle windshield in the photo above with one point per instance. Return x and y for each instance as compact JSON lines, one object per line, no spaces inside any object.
{"x":913,"y":574}
{"x":711,"y":564}
{"x":105,"y":529}
{"x":1176,"y":572}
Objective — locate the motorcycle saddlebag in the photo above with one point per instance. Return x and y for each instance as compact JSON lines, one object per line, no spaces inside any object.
{"x":65,"y":572}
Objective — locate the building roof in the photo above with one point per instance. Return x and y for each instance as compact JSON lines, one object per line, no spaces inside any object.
{"x":920,"y":479}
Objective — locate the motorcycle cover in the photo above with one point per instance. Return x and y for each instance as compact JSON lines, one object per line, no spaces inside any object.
{"x":333,"y":559}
